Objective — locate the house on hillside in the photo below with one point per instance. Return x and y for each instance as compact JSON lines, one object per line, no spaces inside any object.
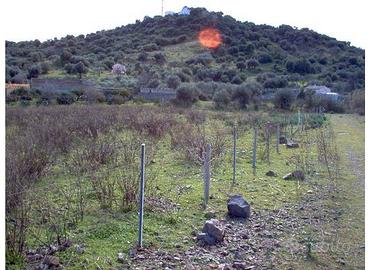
{"x":324,"y":91}
{"x":157,"y":94}
{"x":184,"y":12}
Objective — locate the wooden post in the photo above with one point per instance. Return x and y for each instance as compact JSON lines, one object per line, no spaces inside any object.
{"x":207,"y":174}
{"x":141,"y":198}
{"x":254,"y":150}
{"x":277,"y":138}
{"x":234,"y":153}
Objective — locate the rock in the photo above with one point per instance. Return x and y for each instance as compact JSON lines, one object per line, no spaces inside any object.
{"x":287,"y":176}
{"x":238,"y":207}
{"x":51,"y":261}
{"x":292,"y":145}
{"x":270,"y":173}
{"x":296,"y":175}
{"x":80,"y":249}
{"x":120,"y":257}
{"x":212,"y":232}
{"x":239,"y":265}
{"x":214,"y":229}
{"x":282,"y":140}
{"x":210,"y":214}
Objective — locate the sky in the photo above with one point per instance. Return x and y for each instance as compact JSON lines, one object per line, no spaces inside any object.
{"x":46,"y":19}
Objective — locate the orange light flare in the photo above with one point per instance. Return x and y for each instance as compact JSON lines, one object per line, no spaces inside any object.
{"x":210,"y":38}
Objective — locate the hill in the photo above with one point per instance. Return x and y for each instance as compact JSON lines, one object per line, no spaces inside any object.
{"x":164,"y":51}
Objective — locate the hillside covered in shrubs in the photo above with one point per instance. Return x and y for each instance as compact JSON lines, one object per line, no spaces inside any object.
{"x":164,"y":52}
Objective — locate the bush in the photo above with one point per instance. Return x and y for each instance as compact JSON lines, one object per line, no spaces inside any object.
{"x":265,"y":58}
{"x":278,"y":82}
{"x":66,"y":99}
{"x":118,"y":100}
{"x":186,"y":95}
{"x":301,"y":66}
{"x":159,"y":58}
{"x":173,"y":81}
{"x":283,"y":99}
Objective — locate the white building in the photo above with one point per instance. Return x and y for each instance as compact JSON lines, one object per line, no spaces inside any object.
{"x":184,"y":12}
{"x":323,"y":91}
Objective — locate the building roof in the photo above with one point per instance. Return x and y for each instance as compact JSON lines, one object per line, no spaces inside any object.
{"x":319,"y":89}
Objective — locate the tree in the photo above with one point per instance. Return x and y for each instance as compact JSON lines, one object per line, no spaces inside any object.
{"x":222,"y":99}
{"x":34,"y":71}
{"x":252,"y":64}
{"x":80,"y":68}
{"x":186,"y":95}
{"x":283,"y":99}
{"x":159,"y":58}
{"x":173,"y":81}
{"x":246,"y":93}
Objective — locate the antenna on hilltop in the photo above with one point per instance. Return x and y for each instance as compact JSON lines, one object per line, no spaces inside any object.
{"x":162,"y":7}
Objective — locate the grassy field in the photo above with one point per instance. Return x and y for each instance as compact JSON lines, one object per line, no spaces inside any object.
{"x":333,"y":239}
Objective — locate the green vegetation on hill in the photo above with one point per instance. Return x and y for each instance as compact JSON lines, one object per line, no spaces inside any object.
{"x":157,"y":48}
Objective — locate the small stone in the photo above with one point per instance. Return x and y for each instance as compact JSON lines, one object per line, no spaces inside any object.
{"x":238,"y":207}
{"x":292,"y":145}
{"x":132,"y":253}
{"x":310,"y":191}
{"x":206,"y":238}
{"x":51,"y":261}
{"x":213,"y":228}
{"x":270,"y":173}
{"x":80,"y":249}
{"x":298,"y":175}
{"x":287,"y":176}
{"x":239,"y":265}
{"x":120,"y":257}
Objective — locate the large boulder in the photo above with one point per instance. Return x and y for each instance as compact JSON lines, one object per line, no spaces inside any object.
{"x":212,"y":232}
{"x":238,"y":207}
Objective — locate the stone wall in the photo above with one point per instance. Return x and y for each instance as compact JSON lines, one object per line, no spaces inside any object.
{"x":61,"y":85}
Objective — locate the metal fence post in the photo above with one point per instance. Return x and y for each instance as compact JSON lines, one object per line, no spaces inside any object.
{"x":254,"y":150}
{"x":278,"y":138}
{"x":141,"y":198}
{"x":234,"y":153}
{"x":207,"y":174}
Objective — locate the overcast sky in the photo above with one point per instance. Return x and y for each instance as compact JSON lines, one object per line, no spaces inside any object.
{"x":46,"y":19}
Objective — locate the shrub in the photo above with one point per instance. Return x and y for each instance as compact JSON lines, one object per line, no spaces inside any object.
{"x":159,"y":58}
{"x":278,"y":82}
{"x":117,"y":99}
{"x":66,"y":99}
{"x":265,"y":58}
{"x":173,"y":81}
